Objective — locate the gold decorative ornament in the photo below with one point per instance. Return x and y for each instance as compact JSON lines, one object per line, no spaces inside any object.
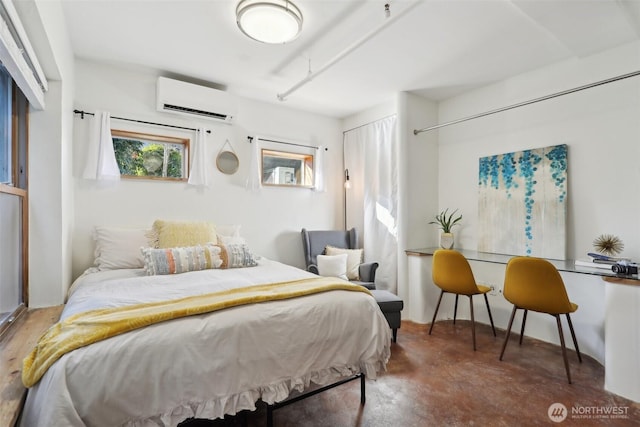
{"x":608,"y":244}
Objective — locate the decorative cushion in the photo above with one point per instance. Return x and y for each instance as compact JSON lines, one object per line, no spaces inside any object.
{"x":229,"y":235}
{"x":333,"y":265}
{"x":231,"y":240}
{"x":118,"y":248}
{"x":181,"y":260}
{"x":228,"y":230}
{"x":195,"y":258}
{"x":354,"y":259}
{"x":173,"y":234}
{"x":237,"y":256}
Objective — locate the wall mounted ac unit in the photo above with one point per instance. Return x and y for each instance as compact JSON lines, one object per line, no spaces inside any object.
{"x":175,"y":96}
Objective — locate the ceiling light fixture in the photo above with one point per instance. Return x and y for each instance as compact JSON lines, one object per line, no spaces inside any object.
{"x":269,"y":21}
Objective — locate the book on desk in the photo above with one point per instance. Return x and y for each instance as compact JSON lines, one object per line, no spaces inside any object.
{"x":596,"y":260}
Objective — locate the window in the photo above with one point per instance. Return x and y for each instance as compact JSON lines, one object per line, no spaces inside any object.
{"x":146,"y":156}
{"x":287,"y":169}
{"x":13,"y":200}
{"x":6,"y":145}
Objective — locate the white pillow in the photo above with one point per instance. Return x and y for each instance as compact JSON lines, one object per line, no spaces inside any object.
{"x":333,"y":265}
{"x":228,"y":230}
{"x":229,"y":235}
{"x":353,"y":261}
{"x":118,"y":248}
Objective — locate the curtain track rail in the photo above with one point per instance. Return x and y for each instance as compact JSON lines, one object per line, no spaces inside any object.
{"x":250,"y":139}
{"x":83,"y":113}
{"x":532,"y":101}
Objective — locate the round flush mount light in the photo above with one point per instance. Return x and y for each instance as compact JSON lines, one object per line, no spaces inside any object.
{"x":269,"y":21}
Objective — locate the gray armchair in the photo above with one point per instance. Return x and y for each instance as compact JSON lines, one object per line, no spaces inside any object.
{"x":315,"y":241}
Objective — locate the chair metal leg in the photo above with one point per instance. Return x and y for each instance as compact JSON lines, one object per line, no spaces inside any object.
{"x":486,"y":301}
{"x":564,"y":348}
{"x":436,"y":312}
{"x":524,"y":322}
{"x":573,"y":335}
{"x":506,"y":338}
{"x":395,"y":334}
{"x":473,"y":322}
{"x":455,"y":310}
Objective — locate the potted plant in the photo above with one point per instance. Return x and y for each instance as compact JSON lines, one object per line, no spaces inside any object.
{"x":446,"y":221}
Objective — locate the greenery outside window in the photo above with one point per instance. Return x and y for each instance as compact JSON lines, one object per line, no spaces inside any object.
{"x":146,"y":156}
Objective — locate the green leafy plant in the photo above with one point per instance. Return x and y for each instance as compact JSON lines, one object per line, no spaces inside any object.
{"x":446,"y":220}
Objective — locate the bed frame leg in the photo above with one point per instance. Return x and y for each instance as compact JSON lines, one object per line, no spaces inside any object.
{"x":269,"y":416}
{"x":274,"y":406}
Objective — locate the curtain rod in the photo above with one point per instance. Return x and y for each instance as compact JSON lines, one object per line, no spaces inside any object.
{"x":82,"y":114}
{"x":250,"y":138}
{"x":532,"y":101}
{"x":367,"y":124}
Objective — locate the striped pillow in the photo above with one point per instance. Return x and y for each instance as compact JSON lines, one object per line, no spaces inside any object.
{"x":181,"y":260}
{"x":194,"y":258}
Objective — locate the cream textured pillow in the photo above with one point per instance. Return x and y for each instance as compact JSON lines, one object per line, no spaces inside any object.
{"x":354,"y":260}
{"x":229,"y":235}
{"x":333,"y":266}
{"x":119,"y":247}
{"x":230,"y":230}
{"x":171,"y":234}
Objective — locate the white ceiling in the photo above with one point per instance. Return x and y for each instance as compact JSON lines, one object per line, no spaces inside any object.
{"x":435,"y":48}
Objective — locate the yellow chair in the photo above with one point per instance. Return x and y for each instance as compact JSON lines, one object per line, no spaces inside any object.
{"x":535,"y":284}
{"x":452,"y":273}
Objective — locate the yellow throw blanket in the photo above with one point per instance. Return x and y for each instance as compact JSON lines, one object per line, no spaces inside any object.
{"x":86,"y":328}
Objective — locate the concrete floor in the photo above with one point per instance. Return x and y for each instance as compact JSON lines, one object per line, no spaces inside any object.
{"x":438,"y":380}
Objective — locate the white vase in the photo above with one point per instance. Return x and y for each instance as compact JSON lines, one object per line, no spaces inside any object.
{"x":446,"y":240}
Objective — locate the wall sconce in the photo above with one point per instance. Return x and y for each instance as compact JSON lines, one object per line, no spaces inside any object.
{"x":347,"y":183}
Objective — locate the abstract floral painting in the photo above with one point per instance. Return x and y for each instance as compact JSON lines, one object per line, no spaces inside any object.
{"x":522,"y":203}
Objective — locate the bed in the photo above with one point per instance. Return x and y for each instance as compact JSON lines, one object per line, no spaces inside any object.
{"x":211,"y":364}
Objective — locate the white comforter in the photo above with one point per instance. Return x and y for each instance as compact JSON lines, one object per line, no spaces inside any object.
{"x":207,"y":365}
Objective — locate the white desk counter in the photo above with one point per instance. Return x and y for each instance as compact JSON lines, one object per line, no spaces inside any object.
{"x":607,"y":322}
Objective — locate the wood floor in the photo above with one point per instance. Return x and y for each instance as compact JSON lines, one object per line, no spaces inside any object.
{"x":438,"y":380}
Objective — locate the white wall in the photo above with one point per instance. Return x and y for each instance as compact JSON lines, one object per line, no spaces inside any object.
{"x":50,"y":132}
{"x":418,"y":189}
{"x":418,"y":173}
{"x":271,"y":219}
{"x":599,"y":125}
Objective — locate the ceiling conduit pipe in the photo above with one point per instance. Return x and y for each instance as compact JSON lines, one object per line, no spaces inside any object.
{"x":389,"y":19}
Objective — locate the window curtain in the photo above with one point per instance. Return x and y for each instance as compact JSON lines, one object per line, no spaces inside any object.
{"x":253,"y":179}
{"x":198,"y":172}
{"x":371,"y":203}
{"x":319,"y":185}
{"x":101,"y":162}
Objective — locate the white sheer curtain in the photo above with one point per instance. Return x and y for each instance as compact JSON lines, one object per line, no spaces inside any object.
{"x":100,"y":163}
{"x":319,"y":185}
{"x":371,"y":156}
{"x":198,"y":172}
{"x":253,"y":179}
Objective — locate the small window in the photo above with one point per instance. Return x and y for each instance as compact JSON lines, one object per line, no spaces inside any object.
{"x":287,"y":169}
{"x":141,"y":155}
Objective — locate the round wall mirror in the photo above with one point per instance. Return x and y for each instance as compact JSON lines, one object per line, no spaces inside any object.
{"x":227,"y":162}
